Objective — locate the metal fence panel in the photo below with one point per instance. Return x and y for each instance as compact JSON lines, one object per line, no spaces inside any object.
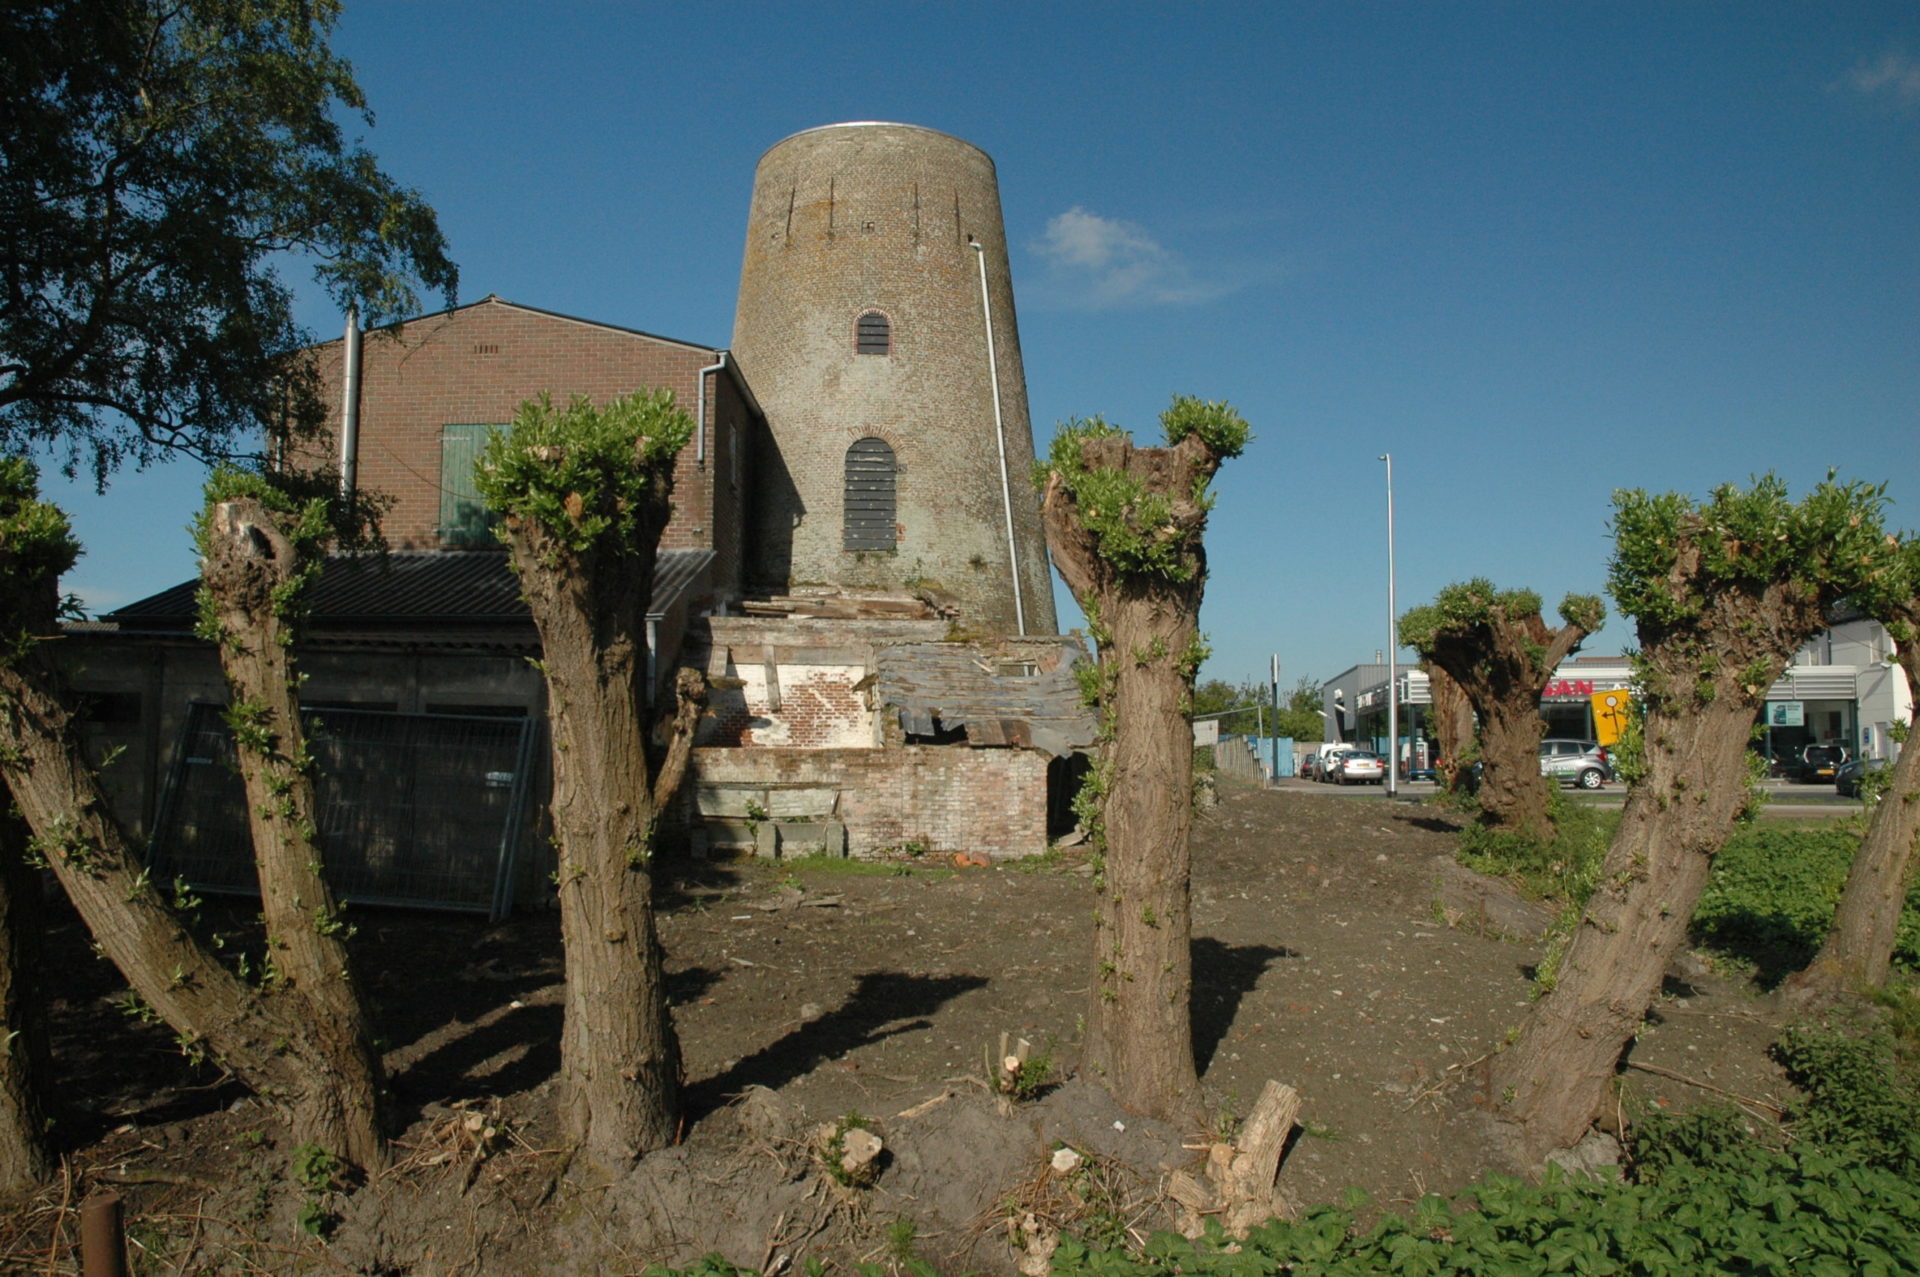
{"x":423,"y":810}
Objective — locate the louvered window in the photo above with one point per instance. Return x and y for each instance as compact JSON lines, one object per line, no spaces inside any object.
{"x":464,"y":517}
{"x":869,"y":499}
{"x":872,"y":334}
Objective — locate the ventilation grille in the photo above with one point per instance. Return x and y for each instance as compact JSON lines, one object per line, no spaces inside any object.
{"x":870,"y":496}
{"x":873,"y":335}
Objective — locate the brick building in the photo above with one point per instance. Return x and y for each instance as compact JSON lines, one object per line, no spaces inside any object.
{"x":431,"y":388}
{"x":876,"y":319}
{"x":805,"y":568}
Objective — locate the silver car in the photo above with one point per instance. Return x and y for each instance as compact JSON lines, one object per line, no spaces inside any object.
{"x":1576,"y":762}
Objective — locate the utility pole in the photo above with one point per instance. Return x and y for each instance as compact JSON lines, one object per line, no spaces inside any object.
{"x":1273,"y":694}
{"x":1393,"y":651}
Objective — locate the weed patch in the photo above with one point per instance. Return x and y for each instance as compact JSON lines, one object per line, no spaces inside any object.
{"x":1562,"y":869}
{"x":1772,"y":895}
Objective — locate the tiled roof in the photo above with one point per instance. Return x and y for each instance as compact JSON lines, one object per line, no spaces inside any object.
{"x":410,"y":589}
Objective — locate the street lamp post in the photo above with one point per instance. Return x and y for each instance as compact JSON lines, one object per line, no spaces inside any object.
{"x":1393,"y":651}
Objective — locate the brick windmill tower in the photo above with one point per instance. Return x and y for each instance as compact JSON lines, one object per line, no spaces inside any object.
{"x":876,"y":324}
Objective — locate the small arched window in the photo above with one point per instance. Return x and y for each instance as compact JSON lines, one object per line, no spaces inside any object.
{"x":869,"y":504}
{"x":872,"y":334}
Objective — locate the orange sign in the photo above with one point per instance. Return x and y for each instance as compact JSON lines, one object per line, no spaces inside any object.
{"x":1610,"y":710}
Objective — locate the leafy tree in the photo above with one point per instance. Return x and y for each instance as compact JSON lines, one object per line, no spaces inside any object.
{"x":261,"y":1038}
{"x":1215,"y":697}
{"x":1125,"y":527}
{"x":1249,"y":700}
{"x":1722,"y":595}
{"x":156,"y":161}
{"x":585,"y":492}
{"x":1859,"y":948}
{"x":1300,"y":715}
{"x":260,"y":547}
{"x":1494,"y":646}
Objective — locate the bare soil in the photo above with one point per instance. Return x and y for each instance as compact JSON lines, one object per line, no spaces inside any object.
{"x":1335,"y":949}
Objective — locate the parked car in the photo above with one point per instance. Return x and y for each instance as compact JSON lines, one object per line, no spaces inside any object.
{"x":1816,"y":763}
{"x":1846,"y":778}
{"x":1576,"y":762}
{"x":1330,"y":765}
{"x":1357,"y":766}
{"x":1309,"y":765}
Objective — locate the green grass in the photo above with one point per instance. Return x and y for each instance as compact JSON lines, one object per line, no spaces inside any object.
{"x":847,"y":867}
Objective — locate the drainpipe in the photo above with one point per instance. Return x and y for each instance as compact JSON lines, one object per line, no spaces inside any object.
{"x":1000,"y":438}
{"x":700,"y":409}
{"x":350,"y":406}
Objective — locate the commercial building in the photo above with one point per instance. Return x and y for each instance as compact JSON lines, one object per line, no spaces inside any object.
{"x":1843,"y":687}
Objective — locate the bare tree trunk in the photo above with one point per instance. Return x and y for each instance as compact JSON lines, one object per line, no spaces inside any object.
{"x":619,"y":1055}
{"x":1703,"y":680}
{"x":249,"y":566}
{"x":1452,"y":725}
{"x":1501,"y":663}
{"x":24,"y":1063}
{"x":1139,"y":1030}
{"x":689,"y":699}
{"x":1140,"y":1035}
{"x":1513,"y":793}
{"x":262,"y":1041}
{"x":1859,"y":948}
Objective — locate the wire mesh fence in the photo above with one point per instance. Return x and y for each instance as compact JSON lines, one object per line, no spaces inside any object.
{"x":422,"y":810}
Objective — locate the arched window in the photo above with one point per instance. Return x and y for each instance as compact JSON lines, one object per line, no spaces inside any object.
{"x":869,"y":505}
{"x":872,"y":334}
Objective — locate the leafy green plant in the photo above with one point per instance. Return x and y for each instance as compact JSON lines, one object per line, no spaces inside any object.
{"x":1562,"y":868}
{"x":321,"y":1173}
{"x":1858,"y":1094}
{"x":1772,"y":895}
{"x":1024,"y":1078}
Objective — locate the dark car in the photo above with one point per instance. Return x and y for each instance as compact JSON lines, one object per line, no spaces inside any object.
{"x":1846,"y":780}
{"x":1816,"y":763}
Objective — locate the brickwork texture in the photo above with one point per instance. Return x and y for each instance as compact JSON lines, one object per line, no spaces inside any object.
{"x":942,"y":798}
{"x":850,"y":219}
{"x":478,"y":363}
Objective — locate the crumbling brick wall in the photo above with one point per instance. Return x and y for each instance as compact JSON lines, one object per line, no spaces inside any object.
{"x":940,"y":798}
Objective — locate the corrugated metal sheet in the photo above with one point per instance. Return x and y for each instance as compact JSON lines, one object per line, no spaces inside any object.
{"x":413,"y":589}
{"x":1015,"y":695}
{"x":1817,"y":683}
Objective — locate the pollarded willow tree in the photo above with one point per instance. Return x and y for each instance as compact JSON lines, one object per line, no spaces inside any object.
{"x":1452,"y":726}
{"x":1859,"y":948}
{"x":1723,"y":594}
{"x":263,"y":1040}
{"x":1494,"y":645}
{"x":585,"y":492}
{"x":1125,"y":526}
{"x":261,"y":547}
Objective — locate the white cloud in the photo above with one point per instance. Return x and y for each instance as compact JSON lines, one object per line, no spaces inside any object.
{"x":1895,"y":75}
{"x":1100,"y":262}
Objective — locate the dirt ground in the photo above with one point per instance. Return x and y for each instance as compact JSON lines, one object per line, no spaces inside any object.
{"x":1334,"y":950}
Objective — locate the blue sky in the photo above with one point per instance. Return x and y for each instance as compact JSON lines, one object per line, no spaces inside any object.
{"x":1537,"y":252}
